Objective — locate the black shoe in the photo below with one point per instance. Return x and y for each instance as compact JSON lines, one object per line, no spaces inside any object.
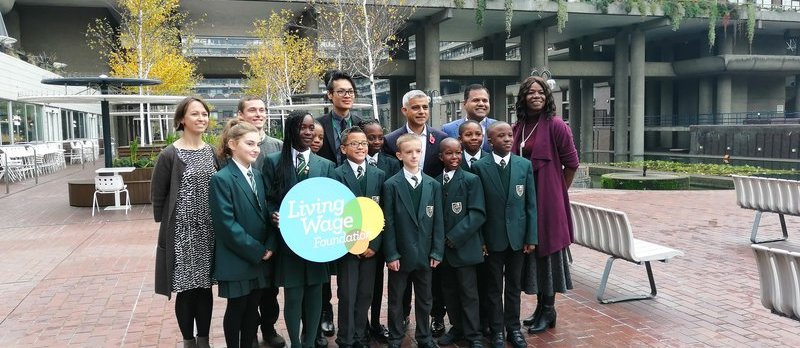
{"x":272,"y":338}
{"x":326,"y":324}
{"x":428,"y":344}
{"x":437,"y":326}
{"x":394,"y":345}
{"x":547,"y":319}
{"x":450,"y":338}
{"x":321,"y":342}
{"x":516,"y":339}
{"x":498,"y":341}
{"x":380,"y":333}
{"x":476,"y":344}
{"x":405,"y":324}
{"x":530,"y":320}
{"x":487,"y":332}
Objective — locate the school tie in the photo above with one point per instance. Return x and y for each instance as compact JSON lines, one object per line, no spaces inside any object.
{"x":373,"y":162}
{"x":472,"y":161}
{"x":446,"y":178}
{"x":301,"y":163}
{"x":415,"y":180}
{"x":360,"y":173}
{"x":342,"y":125}
{"x":503,"y":163}
{"x":252,"y":181}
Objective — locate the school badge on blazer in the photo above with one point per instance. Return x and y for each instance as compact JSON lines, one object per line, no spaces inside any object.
{"x":377,"y":199}
{"x":429,"y":211}
{"x":520,"y":190}
{"x":456,"y":207}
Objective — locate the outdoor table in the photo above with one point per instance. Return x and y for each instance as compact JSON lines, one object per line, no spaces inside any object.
{"x":115,"y":171}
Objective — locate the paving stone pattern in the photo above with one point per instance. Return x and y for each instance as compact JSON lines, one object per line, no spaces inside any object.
{"x":70,"y":279}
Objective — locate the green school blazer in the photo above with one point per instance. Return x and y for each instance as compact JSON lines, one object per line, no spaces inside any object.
{"x":517,"y":201}
{"x":290,"y":269}
{"x":464,"y":215}
{"x":375,"y":178}
{"x":413,"y":236}
{"x":241,"y":227}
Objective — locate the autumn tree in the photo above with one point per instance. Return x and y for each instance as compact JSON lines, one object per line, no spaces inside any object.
{"x":359,"y":34}
{"x":281,"y":64}
{"x":148,"y":43}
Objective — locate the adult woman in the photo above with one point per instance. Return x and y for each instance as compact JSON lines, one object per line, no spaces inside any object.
{"x":544,"y":139}
{"x":185,"y":251}
{"x":302,"y":280}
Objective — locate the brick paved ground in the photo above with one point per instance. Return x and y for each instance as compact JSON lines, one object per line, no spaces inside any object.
{"x":69,"y":279}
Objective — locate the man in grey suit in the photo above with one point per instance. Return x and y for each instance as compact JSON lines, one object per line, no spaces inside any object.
{"x":253,"y":111}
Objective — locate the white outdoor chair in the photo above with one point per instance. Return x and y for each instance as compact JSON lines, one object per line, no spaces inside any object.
{"x":113,"y":185}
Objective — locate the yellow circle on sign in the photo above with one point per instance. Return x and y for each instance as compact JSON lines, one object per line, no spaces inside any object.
{"x":371,"y":217}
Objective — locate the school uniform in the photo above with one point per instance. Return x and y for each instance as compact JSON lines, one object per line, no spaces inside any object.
{"x":354,"y":274}
{"x":510,"y":224}
{"x":301,"y":279}
{"x":413,"y":234}
{"x":468,"y":160}
{"x":243,"y":235}
{"x":464,"y":214}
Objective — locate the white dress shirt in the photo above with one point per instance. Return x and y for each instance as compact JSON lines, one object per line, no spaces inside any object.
{"x":409,"y":175}
{"x":467,"y":157}
{"x":497,"y":158}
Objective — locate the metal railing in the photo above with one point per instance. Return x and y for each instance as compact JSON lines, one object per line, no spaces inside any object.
{"x":732,"y":118}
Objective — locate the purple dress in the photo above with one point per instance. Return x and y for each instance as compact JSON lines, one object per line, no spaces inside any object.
{"x":550,"y":148}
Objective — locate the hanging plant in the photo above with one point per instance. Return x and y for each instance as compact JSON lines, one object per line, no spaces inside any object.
{"x":562,"y":15}
{"x":712,"y":24}
{"x":675,"y":12}
{"x":751,"y":24}
{"x":509,"y":7}
{"x":459,"y":3}
{"x":480,"y":10}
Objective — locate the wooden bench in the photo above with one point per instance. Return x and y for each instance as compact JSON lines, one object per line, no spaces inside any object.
{"x":609,"y":232}
{"x":768,"y":195}
{"x":779,"y":273}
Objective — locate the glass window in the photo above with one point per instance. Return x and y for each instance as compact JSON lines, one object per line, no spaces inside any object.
{"x":5,"y":130}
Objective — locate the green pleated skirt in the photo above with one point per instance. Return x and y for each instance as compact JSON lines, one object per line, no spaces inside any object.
{"x":239,"y":288}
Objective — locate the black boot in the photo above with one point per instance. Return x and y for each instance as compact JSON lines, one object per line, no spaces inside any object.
{"x":532,"y":319}
{"x":546,"y":319}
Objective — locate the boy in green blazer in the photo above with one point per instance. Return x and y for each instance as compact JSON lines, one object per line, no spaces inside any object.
{"x":471,"y":135}
{"x":355,"y":277}
{"x":510,"y":230}
{"x":464,"y":214}
{"x":413,"y":239}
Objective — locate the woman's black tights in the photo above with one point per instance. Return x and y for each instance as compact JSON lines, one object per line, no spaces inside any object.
{"x":194,"y":307}
{"x":241,"y":320}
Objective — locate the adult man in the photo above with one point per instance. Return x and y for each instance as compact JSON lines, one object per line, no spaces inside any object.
{"x":252,"y":110}
{"x":341,"y":93}
{"x":415,"y":108}
{"x":476,"y":107}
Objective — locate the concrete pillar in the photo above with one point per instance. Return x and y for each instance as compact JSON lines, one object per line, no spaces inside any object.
{"x":796,"y":93}
{"x":575,"y":117}
{"x":637,"y":95}
{"x":621,"y":41}
{"x":525,"y":53}
{"x":724,"y":83}
{"x":666,"y":89}
{"x":431,"y":60}
{"x":586,"y":149}
{"x":705,"y":96}
{"x":419,"y":62}
{"x":533,"y":49}
{"x":539,"y":42}
{"x":494,"y":48}
{"x":398,"y":86}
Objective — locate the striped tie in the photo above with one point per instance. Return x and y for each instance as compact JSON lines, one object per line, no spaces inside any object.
{"x":360,"y":173}
{"x":301,"y":163}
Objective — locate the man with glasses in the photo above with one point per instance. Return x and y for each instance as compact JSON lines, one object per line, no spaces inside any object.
{"x":341,"y":93}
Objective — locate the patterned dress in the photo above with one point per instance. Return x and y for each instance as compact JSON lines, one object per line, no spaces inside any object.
{"x":194,"y":234}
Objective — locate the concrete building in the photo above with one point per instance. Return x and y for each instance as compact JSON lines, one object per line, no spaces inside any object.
{"x":630,"y":84}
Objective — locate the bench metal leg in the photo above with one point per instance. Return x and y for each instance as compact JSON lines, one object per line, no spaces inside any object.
{"x":757,"y":222}
{"x":602,"y":288}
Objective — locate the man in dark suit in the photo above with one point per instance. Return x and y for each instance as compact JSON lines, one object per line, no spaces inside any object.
{"x":464,"y":213}
{"x":342,"y":94}
{"x":510,"y":231}
{"x":253,"y":111}
{"x":415,"y":108}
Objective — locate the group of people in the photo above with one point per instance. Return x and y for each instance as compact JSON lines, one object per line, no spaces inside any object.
{"x":475,"y":214}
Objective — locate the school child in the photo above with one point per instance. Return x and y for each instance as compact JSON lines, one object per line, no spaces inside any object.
{"x":355,"y":274}
{"x":413,"y":239}
{"x":510,"y":230}
{"x":471,"y":136}
{"x":302,"y":279}
{"x":245,"y":240}
{"x":464,"y":214}
{"x":319,"y":137}
{"x":390,"y":166}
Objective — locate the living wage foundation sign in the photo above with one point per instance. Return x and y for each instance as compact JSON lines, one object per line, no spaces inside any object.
{"x":321,"y":220}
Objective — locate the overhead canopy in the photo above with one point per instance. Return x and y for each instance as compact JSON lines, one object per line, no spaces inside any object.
{"x":111,"y":98}
{"x":319,"y":106}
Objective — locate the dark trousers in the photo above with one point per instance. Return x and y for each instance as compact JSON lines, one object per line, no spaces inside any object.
{"x":270,"y":310}
{"x":302,"y":302}
{"x":483,"y":293}
{"x":193,"y":308}
{"x":377,"y":291}
{"x":438,"y":305}
{"x":354,"y":280}
{"x":460,"y":293}
{"x":327,"y":295}
{"x":398,"y":282}
{"x":505,"y":268}
{"x":241,"y":320}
